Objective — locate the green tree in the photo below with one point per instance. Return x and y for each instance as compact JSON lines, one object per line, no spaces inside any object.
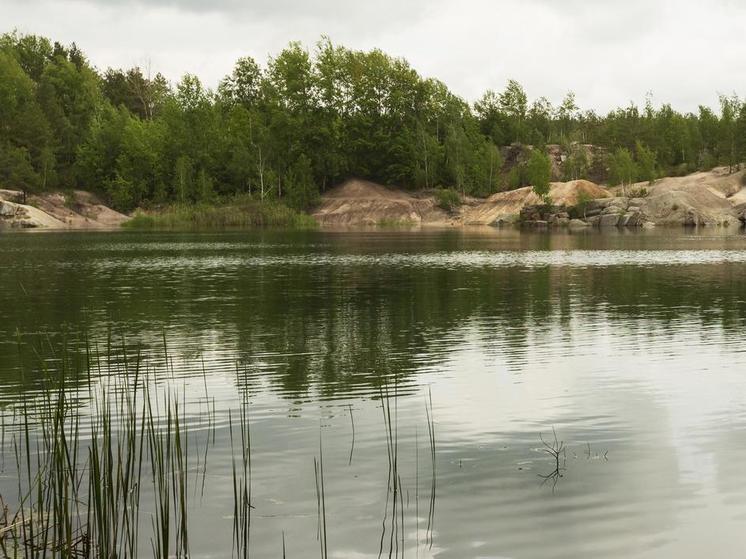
{"x":539,"y":174}
{"x":301,"y":191}
{"x":577,"y":164}
{"x":622,"y":168}
{"x":646,"y":163}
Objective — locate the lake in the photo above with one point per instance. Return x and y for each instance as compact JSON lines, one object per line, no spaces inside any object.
{"x":627,"y":347}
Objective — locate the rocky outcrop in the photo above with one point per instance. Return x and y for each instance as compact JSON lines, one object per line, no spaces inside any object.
{"x":545,"y":215}
{"x":505,"y":207}
{"x":602,"y":213}
{"x":20,"y":216}
{"x":76,"y":210}
{"x":706,"y":198}
{"x":701,"y":199}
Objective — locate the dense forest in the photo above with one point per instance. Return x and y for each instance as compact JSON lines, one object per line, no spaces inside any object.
{"x":307,"y":120}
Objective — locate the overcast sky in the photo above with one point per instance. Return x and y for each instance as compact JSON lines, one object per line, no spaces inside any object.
{"x":610,"y":52}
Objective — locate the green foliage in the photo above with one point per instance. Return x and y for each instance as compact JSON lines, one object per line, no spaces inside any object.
{"x":241,"y":211}
{"x":539,"y":173}
{"x":622,"y":167}
{"x":577,"y":164}
{"x":447,"y":199}
{"x":646,"y":163}
{"x":581,"y":206}
{"x":308,"y":119}
{"x":301,"y":192}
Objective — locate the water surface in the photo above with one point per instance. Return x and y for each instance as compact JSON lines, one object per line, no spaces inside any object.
{"x":630,"y":346}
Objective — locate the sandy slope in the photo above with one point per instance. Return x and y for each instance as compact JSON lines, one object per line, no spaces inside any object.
{"x":361,"y":203}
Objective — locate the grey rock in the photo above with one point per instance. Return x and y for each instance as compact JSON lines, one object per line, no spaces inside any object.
{"x":608,"y":220}
{"x":618,"y":202}
{"x":635,"y":219}
{"x":7,"y":209}
{"x":578,"y":224}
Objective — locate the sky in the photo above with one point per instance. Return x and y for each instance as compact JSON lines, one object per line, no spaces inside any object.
{"x":609,"y":52}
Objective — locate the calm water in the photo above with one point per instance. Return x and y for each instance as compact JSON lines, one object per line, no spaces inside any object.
{"x":631,"y":346}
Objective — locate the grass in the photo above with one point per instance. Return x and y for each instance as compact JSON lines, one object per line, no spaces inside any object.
{"x":237,"y":212}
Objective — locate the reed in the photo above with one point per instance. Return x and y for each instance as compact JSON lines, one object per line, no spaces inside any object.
{"x":79,"y":494}
{"x":89,"y":456}
{"x":241,"y":482}
{"x":236,"y":212}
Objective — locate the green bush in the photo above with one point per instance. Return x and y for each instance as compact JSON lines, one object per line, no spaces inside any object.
{"x":447,"y":199}
{"x":578,"y":211}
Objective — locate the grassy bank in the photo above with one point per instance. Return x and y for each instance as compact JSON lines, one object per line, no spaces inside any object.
{"x":235,"y":212}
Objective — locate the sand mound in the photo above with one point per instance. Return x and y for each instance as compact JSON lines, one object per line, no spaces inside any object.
{"x":567,"y":193}
{"x":357,"y":202}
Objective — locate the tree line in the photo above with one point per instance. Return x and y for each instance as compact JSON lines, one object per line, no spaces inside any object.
{"x":308,"y":119}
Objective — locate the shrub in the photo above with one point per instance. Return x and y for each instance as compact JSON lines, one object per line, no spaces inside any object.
{"x":582,"y":204}
{"x":638,"y":193}
{"x":447,"y":199}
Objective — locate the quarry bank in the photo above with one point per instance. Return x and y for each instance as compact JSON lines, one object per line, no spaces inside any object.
{"x":704,"y":199}
{"x":711,"y":198}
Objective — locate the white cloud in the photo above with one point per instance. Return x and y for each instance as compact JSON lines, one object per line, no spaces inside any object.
{"x":608,"y":52}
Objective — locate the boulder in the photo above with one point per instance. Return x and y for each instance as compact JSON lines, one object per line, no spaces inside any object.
{"x":608,"y":220}
{"x":635,"y":219}
{"x":578,"y":224}
{"x":7,"y":209}
{"x":510,"y":219}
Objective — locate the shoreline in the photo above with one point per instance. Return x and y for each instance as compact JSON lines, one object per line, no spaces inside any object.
{"x":711,"y":199}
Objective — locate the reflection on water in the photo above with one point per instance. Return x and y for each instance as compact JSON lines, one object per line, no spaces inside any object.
{"x":629,"y":346}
